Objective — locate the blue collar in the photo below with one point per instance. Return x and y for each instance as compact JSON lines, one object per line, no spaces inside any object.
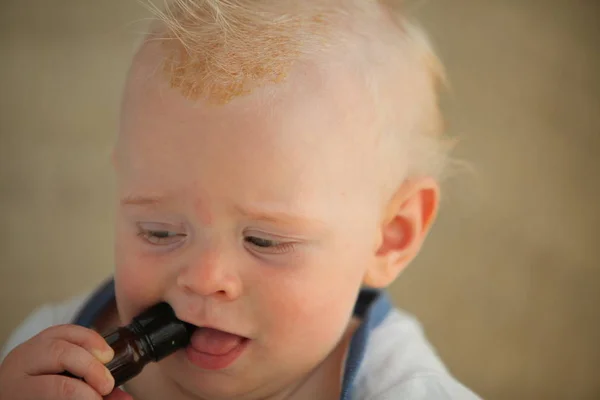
{"x":372,"y":306}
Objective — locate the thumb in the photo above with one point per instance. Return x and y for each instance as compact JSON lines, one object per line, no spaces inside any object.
{"x":118,"y":394}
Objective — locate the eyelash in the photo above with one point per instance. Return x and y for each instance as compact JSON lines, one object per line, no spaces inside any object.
{"x":157,"y":237}
{"x":163,"y":238}
{"x":278,"y":247}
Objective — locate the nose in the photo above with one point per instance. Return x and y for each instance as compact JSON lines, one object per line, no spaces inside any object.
{"x":210,"y":273}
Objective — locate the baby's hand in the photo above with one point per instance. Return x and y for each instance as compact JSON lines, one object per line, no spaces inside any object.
{"x":31,"y":371}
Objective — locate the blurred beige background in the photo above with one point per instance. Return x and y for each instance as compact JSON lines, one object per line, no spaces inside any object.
{"x":508,"y":287}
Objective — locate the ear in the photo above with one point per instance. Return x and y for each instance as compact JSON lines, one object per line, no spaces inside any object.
{"x":407,"y":221}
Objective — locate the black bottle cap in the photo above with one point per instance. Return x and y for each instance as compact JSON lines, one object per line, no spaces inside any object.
{"x":163,"y":332}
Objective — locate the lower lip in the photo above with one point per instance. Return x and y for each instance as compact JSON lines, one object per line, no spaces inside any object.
{"x":215,"y":362}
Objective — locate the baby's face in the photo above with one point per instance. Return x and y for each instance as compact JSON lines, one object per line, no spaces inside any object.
{"x":254,"y":220}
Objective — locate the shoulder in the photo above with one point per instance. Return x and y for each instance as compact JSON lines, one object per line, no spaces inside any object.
{"x":41,"y":318}
{"x":400,"y":363}
{"x":426,"y":387}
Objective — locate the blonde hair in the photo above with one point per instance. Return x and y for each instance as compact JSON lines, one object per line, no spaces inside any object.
{"x":222,"y":49}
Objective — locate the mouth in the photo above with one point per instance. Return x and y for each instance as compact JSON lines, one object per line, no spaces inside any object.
{"x":214,"y":349}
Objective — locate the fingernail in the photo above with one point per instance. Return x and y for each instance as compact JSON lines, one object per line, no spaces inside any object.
{"x":103,"y":356}
{"x":110,"y":381}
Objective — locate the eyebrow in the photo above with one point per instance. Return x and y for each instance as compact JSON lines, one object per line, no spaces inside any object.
{"x":143,"y":200}
{"x":254,"y":213}
{"x":284,"y":217}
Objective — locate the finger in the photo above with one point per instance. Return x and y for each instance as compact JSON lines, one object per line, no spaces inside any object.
{"x":118,"y":394}
{"x":64,"y":356}
{"x":55,"y":387}
{"x":87,"y":338}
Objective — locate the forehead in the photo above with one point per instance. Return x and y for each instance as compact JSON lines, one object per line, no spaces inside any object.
{"x":311,"y":135}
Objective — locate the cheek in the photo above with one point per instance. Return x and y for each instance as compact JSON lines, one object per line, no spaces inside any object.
{"x":306,"y":324}
{"x":138,"y":280}
{"x":308,"y":309}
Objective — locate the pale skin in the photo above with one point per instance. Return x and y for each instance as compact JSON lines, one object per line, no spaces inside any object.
{"x":260,"y":221}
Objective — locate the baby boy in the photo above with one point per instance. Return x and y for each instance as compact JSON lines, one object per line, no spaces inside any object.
{"x":277,"y":165}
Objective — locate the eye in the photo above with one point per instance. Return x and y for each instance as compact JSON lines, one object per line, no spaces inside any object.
{"x":269,"y":246}
{"x":160,"y":237}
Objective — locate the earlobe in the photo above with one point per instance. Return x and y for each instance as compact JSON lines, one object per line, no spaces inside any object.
{"x":409,"y":217}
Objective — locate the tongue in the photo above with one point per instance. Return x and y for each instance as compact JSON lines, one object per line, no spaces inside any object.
{"x":214,"y":342}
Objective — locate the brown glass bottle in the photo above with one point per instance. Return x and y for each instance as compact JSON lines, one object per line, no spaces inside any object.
{"x":151,"y":336}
